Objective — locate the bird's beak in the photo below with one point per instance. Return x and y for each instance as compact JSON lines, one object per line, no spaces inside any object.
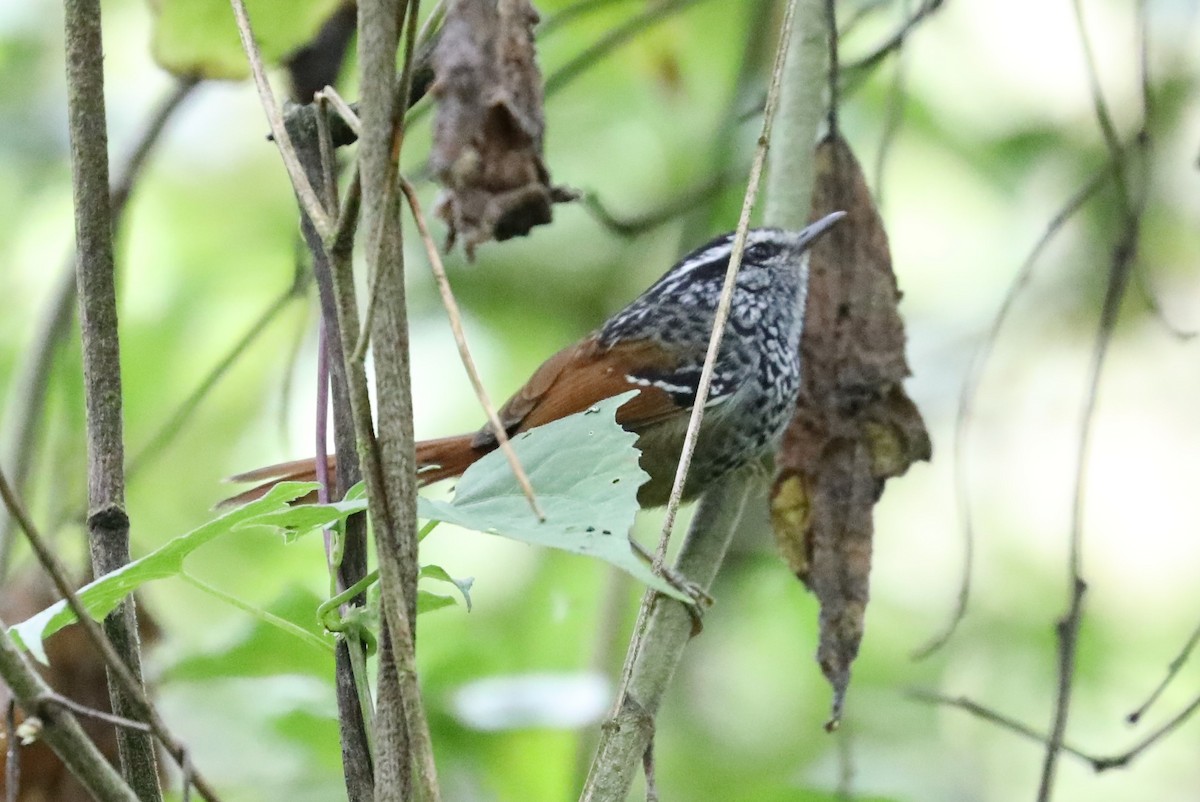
{"x":815,"y":230}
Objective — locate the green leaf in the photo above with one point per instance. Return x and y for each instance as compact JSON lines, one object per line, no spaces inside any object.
{"x":428,"y":602}
{"x":585,"y":474}
{"x":303,"y":519}
{"x":441,"y":575}
{"x":101,"y":596}
{"x":199,"y":38}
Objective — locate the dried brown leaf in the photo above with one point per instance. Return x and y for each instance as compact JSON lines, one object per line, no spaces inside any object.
{"x":854,"y":426}
{"x":487,"y":150}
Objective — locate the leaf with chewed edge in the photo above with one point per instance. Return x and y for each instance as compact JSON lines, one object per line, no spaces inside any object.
{"x":585,"y":473}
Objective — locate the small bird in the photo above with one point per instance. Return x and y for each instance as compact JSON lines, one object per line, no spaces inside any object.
{"x":657,"y":345}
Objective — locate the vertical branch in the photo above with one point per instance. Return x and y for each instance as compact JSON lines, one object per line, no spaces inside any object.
{"x":27,"y":399}
{"x":355,"y":743}
{"x":789,"y":169}
{"x":663,"y":629}
{"x":108,"y":524}
{"x":405,"y":755}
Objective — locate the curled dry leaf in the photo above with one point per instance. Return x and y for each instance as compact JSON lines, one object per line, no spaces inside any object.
{"x":854,"y":426}
{"x":487,"y":150}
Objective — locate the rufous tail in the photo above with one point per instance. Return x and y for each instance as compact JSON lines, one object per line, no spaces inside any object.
{"x":438,"y":459}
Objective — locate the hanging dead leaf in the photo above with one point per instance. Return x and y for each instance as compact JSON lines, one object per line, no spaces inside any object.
{"x":854,"y":426}
{"x":487,"y":150}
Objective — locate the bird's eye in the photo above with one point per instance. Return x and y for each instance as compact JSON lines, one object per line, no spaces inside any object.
{"x":761,"y":252}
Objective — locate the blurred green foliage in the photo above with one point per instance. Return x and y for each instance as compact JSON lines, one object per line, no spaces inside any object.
{"x":995,"y":131}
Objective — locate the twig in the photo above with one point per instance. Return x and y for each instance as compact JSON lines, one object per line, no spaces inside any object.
{"x":107,"y":521}
{"x":893,"y":116}
{"x":112,"y":661}
{"x":350,"y":679}
{"x":1100,"y":107}
{"x":62,"y":731}
{"x":304,"y":190}
{"x":630,"y":726}
{"x":614,"y":38}
{"x":1099,"y":763}
{"x":663,"y":629}
{"x":174,"y":425}
{"x":348,"y":115}
{"x":685,"y":202}
{"x":894,"y":42}
{"x":581,"y":8}
{"x":27,"y":404}
{"x":992,"y":716}
{"x":969,"y":393}
{"x":726,"y":300}
{"x":1121,"y":268}
{"x":78,"y":709}
{"x":464,"y":352}
{"x":1172,"y":670}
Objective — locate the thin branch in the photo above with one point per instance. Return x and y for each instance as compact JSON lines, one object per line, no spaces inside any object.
{"x":686,"y":201}
{"x":404,"y":766}
{"x":663,"y":629}
{"x":107,"y":521}
{"x":1103,"y":117}
{"x":893,"y":116}
{"x":304,"y":190}
{"x":27,"y":399}
{"x":970,"y":391}
{"x":112,"y":661}
{"x":859,"y":68}
{"x":345,"y":112}
{"x":183,"y":413}
{"x":613,"y":39}
{"x":464,"y":351}
{"x":629,"y":728}
{"x":992,"y":716}
{"x":89,"y":712}
{"x":1173,"y":669}
{"x":1099,"y":763}
{"x":726,"y":300}
{"x":61,"y":730}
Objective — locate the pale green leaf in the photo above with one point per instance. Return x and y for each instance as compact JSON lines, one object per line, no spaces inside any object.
{"x":440,"y":574}
{"x":585,"y":474}
{"x":101,"y":596}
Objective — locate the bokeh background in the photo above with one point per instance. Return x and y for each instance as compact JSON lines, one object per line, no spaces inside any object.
{"x":973,"y":136}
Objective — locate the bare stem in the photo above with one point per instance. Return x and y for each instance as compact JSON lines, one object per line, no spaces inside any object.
{"x":464,"y":352}
{"x":304,"y":190}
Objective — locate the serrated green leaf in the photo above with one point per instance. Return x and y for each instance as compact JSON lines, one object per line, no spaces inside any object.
{"x":585,"y":473}
{"x":441,"y":575}
{"x":101,"y":596}
{"x":199,"y":38}
{"x":428,"y":602}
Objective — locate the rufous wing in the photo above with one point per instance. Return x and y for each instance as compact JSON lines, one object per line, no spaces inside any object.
{"x":578,"y":377}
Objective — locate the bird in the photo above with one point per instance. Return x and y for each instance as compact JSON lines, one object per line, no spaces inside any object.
{"x":656,"y":345}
